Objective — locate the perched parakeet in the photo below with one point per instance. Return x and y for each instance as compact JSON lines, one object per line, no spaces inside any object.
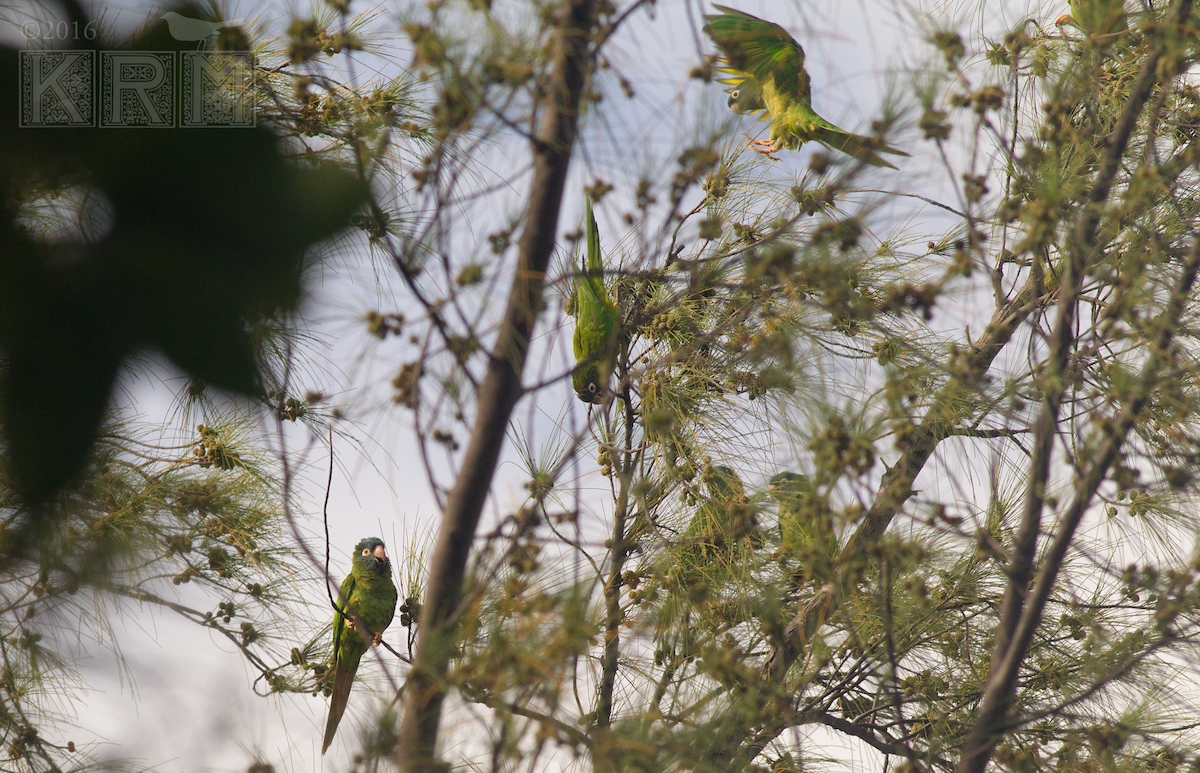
{"x":369,"y":594}
{"x":597,"y":322}
{"x":715,"y":538}
{"x":805,"y":525}
{"x":712,"y":536}
{"x":1096,"y":17}
{"x":767,"y":68}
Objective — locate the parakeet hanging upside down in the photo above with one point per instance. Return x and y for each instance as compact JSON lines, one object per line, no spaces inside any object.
{"x":369,"y":596}
{"x":766,"y":66}
{"x":1096,"y":17}
{"x":597,"y":322}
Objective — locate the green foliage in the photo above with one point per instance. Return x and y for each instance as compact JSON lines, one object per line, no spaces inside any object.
{"x":681,"y":604}
{"x":195,"y":244}
{"x":142,"y":517}
{"x":777,"y":316}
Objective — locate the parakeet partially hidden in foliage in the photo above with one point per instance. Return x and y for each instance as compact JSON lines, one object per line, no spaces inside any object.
{"x":716,"y":533}
{"x":368,"y":596}
{"x":711,"y":551}
{"x":597,"y":322}
{"x":1100,"y":18}
{"x":766,"y":66}
{"x":805,"y":524}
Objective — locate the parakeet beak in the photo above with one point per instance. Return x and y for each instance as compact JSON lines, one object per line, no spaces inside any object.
{"x":380,"y":553}
{"x":1066,"y":19}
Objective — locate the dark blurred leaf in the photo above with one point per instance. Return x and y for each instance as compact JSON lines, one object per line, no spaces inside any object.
{"x":210,"y":229}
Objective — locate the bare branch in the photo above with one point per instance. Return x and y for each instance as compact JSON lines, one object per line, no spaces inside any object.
{"x":499,"y":392}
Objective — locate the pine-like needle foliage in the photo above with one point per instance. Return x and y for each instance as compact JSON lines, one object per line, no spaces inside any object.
{"x":994,"y":424}
{"x":144,"y":518}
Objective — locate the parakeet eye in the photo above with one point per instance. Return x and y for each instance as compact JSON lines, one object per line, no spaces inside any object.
{"x":366,"y":552}
{"x":591,"y":387}
{"x":735,"y":93}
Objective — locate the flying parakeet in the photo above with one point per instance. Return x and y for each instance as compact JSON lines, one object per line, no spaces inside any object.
{"x":597,"y":322}
{"x":1096,"y":17}
{"x":805,"y":525}
{"x":767,"y":69}
{"x":368,"y":594}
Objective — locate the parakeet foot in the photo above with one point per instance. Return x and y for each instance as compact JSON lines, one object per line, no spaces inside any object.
{"x":766,"y":147}
{"x":378,"y":638}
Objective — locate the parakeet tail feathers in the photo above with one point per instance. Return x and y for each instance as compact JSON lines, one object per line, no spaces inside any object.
{"x":862,"y":148}
{"x":343,"y":680}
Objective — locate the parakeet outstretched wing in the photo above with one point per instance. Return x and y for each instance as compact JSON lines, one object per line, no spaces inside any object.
{"x":369,"y":595}
{"x":766,"y":66}
{"x":597,"y":322}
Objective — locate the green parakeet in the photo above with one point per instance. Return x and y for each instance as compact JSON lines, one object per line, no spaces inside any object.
{"x":767,"y":68}
{"x":1096,"y":17}
{"x":712,"y":536}
{"x":597,"y":322}
{"x":368,"y":594}
{"x":716,"y":537}
{"x":805,"y":525}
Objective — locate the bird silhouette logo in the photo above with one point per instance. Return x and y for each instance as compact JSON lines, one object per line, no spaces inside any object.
{"x":187,"y":30}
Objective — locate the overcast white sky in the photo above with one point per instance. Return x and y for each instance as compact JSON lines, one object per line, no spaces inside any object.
{"x":189,"y":707}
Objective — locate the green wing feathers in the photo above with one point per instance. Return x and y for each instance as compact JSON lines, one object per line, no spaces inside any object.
{"x":759,"y":48}
{"x":339,"y":622}
{"x":765,"y":66}
{"x":1097,"y":17}
{"x":713,"y":538}
{"x":805,"y":527}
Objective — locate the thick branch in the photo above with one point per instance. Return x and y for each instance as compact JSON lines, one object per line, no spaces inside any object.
{"x":998,"y":695}
{"x":1009,"y":652}
{"x":1082,"y":244}
{"x":864,"y":733}
{"x":499,"y":391}
{"x":612,"y":586}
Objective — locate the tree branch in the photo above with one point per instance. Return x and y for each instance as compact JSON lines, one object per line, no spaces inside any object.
{"x":997,"y":696}
{"x":499,"y":392}
{"x":612,"y":586}
{"x":894,"y":489}
{"x":863,"y":733}
{"x":1017,"y":619}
